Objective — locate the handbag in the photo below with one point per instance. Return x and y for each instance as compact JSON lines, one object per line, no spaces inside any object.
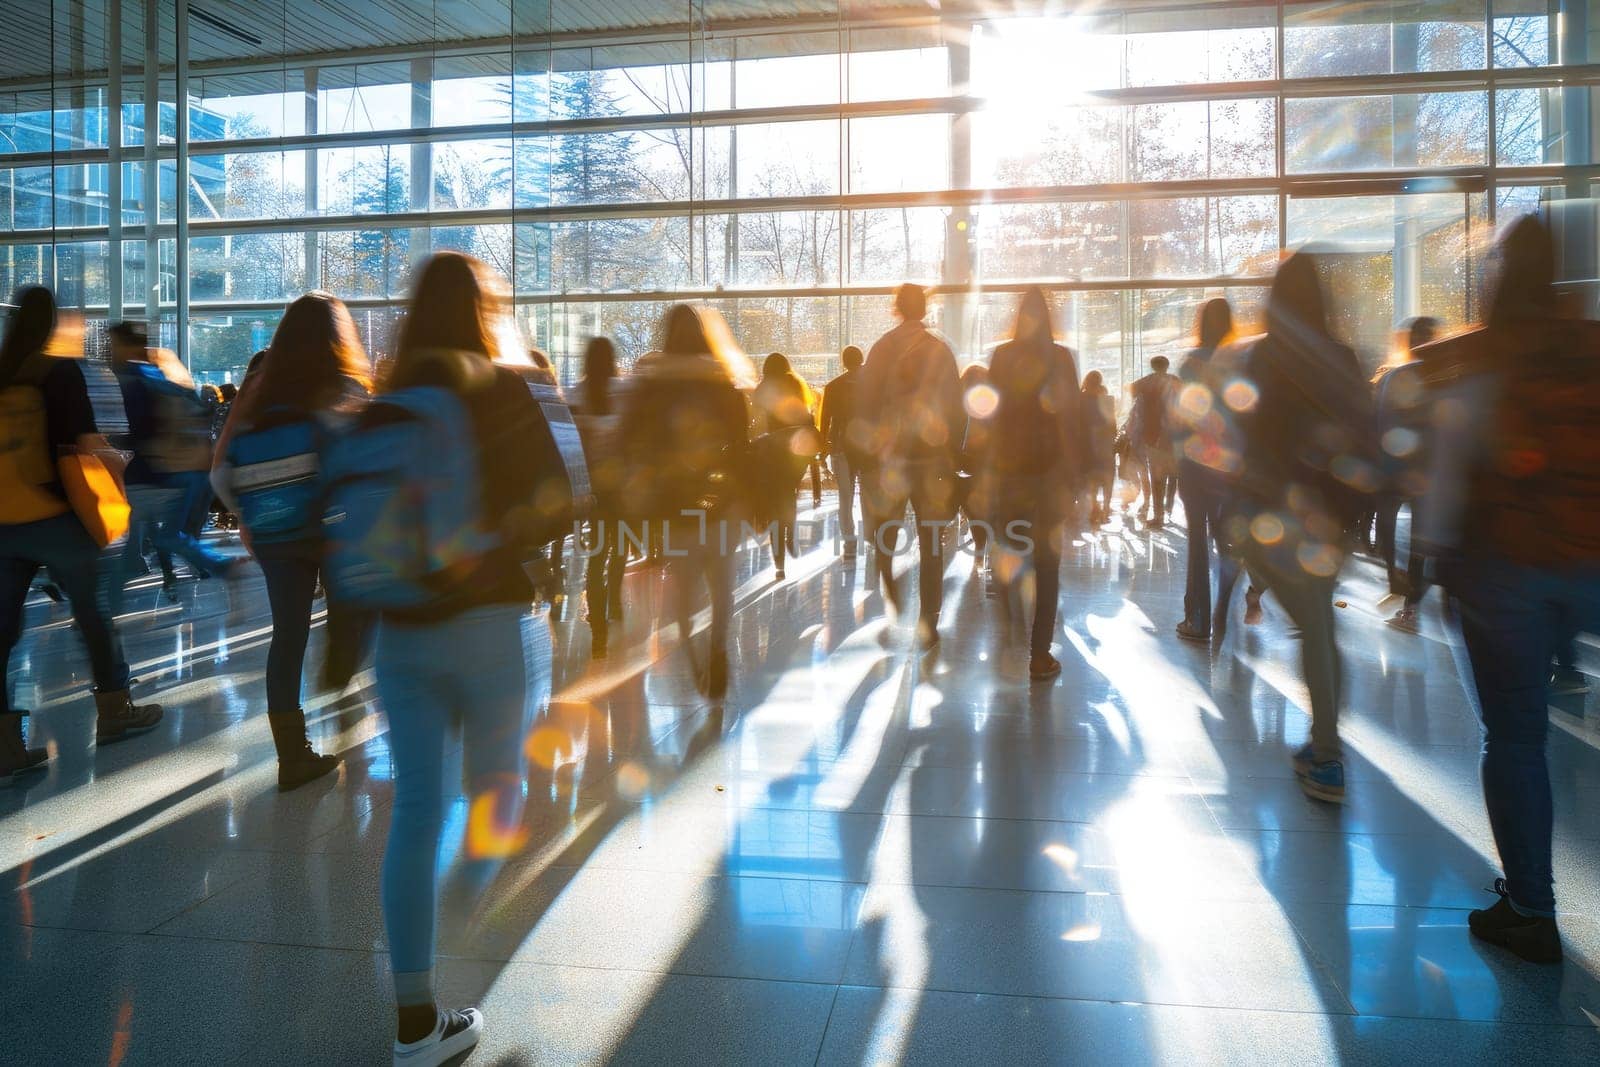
{"x":96,"y":496}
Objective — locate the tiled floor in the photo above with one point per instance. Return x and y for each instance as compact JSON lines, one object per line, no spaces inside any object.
{"x":865,"y":856}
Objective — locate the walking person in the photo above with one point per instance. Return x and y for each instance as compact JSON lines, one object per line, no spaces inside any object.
{"x":786,"y":444}
{"x":1404,"y":415}
{"x":464,"y":658}
{"x":1198,"y":416}
{"x":170,"y":434}
{"x":45,"y":415}
{"x":1099,"y":410}
{"x":976,"y":485}
{"x":837,"y":416}
{"x":1309,"y":469}
{"x":1152,"y":439}
{"x":598,"y":415}
{"x":312,"y":384}
{"x":910,"y":405}
{"x":685,"y":443}
{"x":1523,"y":559}
{"x":1036,"y":455}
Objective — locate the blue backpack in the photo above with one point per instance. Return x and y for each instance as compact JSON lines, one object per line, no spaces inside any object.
{"x":277,"y":477}
{"x":403,"y":503}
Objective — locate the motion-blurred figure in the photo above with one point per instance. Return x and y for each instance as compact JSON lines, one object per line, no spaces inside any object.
{"x":838,"y":415}
{"x":1309,"y":470}
{"x":910,"y":404}
{"x":597,"y":411}
{"x":786,"y":443}
{"x":45,"y":414}
{"x":685,"y":441}
{"x":1522,"y":394}
{"x":1100,"y":413}
{"x":310,"y":387}
{"x":170,"y":431}
{"x":1151,"y":439}
{"x":1403,"y":417}
{"x":463,"y":658}
{"x":977,"y":484}
{"x":1036,"y":451}
{"x":1204,"y":466}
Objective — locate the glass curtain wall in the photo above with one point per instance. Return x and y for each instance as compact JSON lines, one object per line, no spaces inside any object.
{"x":785,"y":162}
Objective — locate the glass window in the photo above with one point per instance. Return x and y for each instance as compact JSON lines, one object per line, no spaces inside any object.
{"x":893,"y":245}
{"x":248,"y":267}
{"x":1208,"y":237}
{"x":1339,"y":39}
{"x":1382,"y":132}
{"x":1531,"y":124}
{"x":901,"y":153}
{"x":363,"y":98}
{"x":1199,"y":139}
{"x":1527,"y":33}
{"x":364,"y":263}
{"x":268,"y":103}
{"x":1067,"y":240}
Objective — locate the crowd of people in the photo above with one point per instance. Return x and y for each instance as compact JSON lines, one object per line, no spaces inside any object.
{"x":421,"y":498}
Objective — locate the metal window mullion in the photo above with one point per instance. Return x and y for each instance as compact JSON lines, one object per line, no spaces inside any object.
{"x":152,"y":165}
{"x":114,"y":160}
{"x":181,"y":118}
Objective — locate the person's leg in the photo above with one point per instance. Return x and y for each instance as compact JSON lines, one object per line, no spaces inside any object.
{"x":816,"y":482}
{"x":416,"y":704}
{"x":72,"y":557}
{"x":594,"y":580}
{"x":291,"y":586}
{"x":1508,"y":628}
{"x":16,"y":575}
{"x":1309,"y":602}
{"x":845,"y":475}
{"x":1388,"y":511}
{"x":930,"y":576}
{"x":1047,"y":534}
{"x":1197,"y":586}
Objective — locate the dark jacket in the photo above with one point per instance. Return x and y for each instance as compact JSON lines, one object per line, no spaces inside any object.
{"x":909,"y":399}
{"x":685,"y":435}
{"x":839,"y":409}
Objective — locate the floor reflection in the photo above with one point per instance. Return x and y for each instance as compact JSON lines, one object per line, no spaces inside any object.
{"x":863,"y":854}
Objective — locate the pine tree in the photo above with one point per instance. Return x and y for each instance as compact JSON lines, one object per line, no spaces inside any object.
{"x":591,"y":168}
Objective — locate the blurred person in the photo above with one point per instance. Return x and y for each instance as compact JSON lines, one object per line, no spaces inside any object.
{"x":1152,"y":439}
{"x":1515,"y":441}
{"x":464,"y":658}
{"x":1036,"y":455}
{"x":910,"y":406}
{"x":1099,"y":409}
{"x":45,"y":414}
{"x":170,"y":435}
{"x":977,"y":487}
{"x":1200,"y":433}
{"x":685,"y":442}
{"x":310,"y":387}
{"x":1309,"y":468}
{"x":1403,"y":418}
{"x":597,"y":411}
{"x":786,"y":443}
{"x":844,"y":456}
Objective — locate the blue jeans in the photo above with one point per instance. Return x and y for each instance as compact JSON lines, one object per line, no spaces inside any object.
{"x":487,"y":668}
{"x":160,"y":511}
{"x":64,"y":547}
{"x":1513,"y":619}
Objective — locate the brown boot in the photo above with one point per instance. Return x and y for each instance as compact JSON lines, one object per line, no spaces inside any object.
{"x":117,"y":717}
{"x":298,"y":762}
{"x":16,"y":757}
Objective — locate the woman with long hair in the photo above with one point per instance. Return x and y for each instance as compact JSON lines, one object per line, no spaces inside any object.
{"x":315,"y":371}
{"x":1198,"y":418}
{"x":1100,"y":411}
{"x":469,"y":657}
{"x":787,"y":443}
{"x":45,"y":414}
{"x":1036,"y":451}
{"x":596,"y":415}
{"x":685,"y":435}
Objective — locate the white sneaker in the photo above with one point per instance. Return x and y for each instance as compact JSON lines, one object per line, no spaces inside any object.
{"x":456,"y":1033}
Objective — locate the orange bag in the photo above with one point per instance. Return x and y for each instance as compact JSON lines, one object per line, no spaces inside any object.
{"x":96,"y":496}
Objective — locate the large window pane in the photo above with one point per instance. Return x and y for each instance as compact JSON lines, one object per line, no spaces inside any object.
{"x":1382,"y":132}
{"x":1323,"y":38}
